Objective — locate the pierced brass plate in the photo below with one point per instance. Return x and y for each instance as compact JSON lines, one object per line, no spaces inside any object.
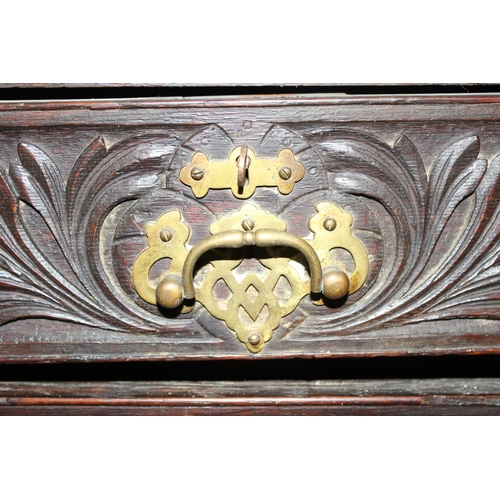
{"x":254,"y":305}
{"x":242,"y":177}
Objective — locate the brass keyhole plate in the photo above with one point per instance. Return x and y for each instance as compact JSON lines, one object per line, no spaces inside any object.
{"x":242,"y":172}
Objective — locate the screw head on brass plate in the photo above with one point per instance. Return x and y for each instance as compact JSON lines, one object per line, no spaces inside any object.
{"x":254,"y":339}
{"x":166,"y":235}
{"x":248,"y":224}
{"x":330,"y":224}
{"x":197,"y":174}
{"x":285,"y":173}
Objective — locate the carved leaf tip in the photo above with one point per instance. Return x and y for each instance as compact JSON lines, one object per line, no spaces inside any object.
{"x":451,"y":163}
{"x":23,"y":148}
{"x":405,"y":148}
{"x":33,"y":157}
{"x":98,"y":143}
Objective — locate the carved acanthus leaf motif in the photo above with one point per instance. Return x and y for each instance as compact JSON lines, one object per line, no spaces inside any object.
{"x":45,"y":222}
{"x":444,"y":260}
{"x":440,"y":230}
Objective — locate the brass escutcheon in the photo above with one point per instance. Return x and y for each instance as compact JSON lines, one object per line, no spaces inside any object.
{"x":251,"y":227}
{"x":242,"y":172}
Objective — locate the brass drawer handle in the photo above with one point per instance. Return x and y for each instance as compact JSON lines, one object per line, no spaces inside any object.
{"x":171,"y":291}
{"x":250,"y":226}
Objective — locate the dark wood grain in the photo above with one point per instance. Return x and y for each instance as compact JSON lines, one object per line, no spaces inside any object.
{"x":80,"y":180}
{"x":375,"y":397}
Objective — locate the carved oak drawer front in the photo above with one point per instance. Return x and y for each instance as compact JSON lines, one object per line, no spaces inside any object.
{"x":269,"y":227}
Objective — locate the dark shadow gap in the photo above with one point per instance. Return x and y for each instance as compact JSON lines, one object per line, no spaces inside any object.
{"x":487,"y":366}
{"x":27,"y":92}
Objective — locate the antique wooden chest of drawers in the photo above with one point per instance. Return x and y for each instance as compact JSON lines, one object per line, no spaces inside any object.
{"x":259,"y":227}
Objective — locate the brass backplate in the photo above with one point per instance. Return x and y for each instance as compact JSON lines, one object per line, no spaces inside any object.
{"x":252,"y":305}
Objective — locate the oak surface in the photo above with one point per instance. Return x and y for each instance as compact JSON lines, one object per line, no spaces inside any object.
{"x":80,"y":180}
{"x":373,"y":397}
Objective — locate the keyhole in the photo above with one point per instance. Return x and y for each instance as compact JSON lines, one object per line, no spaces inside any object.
{"x":243,"y":164}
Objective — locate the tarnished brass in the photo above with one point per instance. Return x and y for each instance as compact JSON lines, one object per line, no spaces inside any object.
{"x":248,"y":224}
{"x":340,"y":237}
{"x":285,"y":173}
{"x":255,"y":307}
{"x":242,"y":173}
{"x":169,"y":292}
{"x":165,"y":235}
{"x":254,"y":339}
{"x":260,"y":238}
{"x":167,"y":238}
{"x":197,"y":174}
{"x":330,"y":224}
{"x":335,"y":284}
